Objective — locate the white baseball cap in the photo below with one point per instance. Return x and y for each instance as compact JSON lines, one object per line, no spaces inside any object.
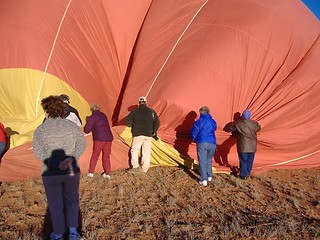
{"x":142,"y":99}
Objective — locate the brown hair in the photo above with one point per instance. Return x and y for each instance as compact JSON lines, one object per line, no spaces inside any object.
{"x":53,"y":106}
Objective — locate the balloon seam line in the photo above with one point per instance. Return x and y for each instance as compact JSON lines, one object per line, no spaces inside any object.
{"x":175,"y":45}
{"x":292,"y":160}
{"x":50,"y":55}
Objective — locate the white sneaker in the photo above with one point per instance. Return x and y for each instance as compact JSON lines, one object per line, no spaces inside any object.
{"x":75,"y":236}
{"x":203,"y":183}
{"x":209,"y":179}
{"x":90,"y":175}
{"x":54,"y":236}
{"x":104,"y":175}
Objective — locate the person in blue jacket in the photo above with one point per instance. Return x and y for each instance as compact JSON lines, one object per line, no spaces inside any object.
{"x":203,"y":133}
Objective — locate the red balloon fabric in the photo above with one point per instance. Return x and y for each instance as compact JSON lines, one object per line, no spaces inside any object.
{"x":233,"y":55}
{"x":227,"y":55}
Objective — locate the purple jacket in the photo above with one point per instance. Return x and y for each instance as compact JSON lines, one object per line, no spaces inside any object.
{"x":98,"y":124}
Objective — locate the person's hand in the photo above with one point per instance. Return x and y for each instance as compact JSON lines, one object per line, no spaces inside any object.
{"x":65,"y":164}
{"x":155,"y":135}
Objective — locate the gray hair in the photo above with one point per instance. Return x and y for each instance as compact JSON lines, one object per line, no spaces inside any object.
{"x":204,"y":110}
{"x":94,"y":107}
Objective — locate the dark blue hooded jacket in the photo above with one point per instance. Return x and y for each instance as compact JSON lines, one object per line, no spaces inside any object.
{"x":204,"y":129}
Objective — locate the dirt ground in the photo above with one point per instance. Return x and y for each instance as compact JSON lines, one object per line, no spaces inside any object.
{"x":169,"y":203}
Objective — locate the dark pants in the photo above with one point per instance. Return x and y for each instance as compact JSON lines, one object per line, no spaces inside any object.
{"x":246,"y":163}
{"x":63,"y":195}
{"x":105,"y":148}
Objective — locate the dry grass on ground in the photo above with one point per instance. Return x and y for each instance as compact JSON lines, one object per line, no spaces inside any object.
{"x":168,"y":203}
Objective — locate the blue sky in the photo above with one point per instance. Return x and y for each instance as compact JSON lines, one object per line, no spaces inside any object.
{"x":314,"y":6}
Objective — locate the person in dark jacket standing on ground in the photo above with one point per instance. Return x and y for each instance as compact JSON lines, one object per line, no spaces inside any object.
{"x":245,"y":131}
{"x":203,"y":132}
{"x":102,"y":136}
{"x":144,"y":123}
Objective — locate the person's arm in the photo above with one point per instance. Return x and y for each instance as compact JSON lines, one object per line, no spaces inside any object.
{"x":231,"y":127}
{"x":258,"y":127}
{"x":129,"y":120}
{"x":89,"y":125}
{"x":78,"y":122}
{"x":80,"y":147}
{"x":81,"y":144}
{"x":73,"y":118}
{"x":63,"y":165}
{"x":156,"y":125}
{"x":156,"y":122}
{"x":214,"y":125}
{"x":78,"y":116}
{"x":194,"y":131}
{"x":75,"y":111}
{"x":37,"y":145}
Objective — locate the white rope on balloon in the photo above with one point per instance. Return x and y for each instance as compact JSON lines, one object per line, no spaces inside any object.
{"x":291,"y":160}
{"x":50,"y":55}
{"x":175,"y":45}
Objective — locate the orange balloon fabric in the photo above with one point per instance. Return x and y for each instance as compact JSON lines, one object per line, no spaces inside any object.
{"x":233,"y":55}
{"x":227,"y":55}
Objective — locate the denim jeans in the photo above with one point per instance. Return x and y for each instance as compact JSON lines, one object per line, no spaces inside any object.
{"x":2,"y":147}
{"x":205,"y":152}
{"x":246,"y":163}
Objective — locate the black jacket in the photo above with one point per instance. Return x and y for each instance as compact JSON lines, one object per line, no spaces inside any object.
{"x":69,"y":109}
{"x":143,"y":121}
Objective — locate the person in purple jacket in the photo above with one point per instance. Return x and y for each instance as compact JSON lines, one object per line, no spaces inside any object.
{"x":102,"y":136}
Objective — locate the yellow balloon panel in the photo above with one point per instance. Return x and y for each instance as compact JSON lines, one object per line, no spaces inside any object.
{"x":162,"y":154}
{"x":22,"y":91}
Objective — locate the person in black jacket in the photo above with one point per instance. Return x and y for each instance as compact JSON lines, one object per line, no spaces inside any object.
{"x":144,"y":123}
{"x":71,"y":113}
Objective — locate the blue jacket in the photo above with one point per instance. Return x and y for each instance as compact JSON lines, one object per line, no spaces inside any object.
{"x":203,"y":129}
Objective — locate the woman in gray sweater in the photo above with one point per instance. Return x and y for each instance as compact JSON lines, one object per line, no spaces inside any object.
{"x":59,"y":143}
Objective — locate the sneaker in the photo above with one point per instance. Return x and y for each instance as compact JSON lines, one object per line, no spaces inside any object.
{"x":244,"y":178}
{"x":54,"y":236}
{"x":143,"y":170}
{"x":203,"y":183}
{"x":90,"y":175}
{"x":75,"y":236}
{"x":134,"y":170}
{"x":104,"y":175}
{"x":209,"y":179}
